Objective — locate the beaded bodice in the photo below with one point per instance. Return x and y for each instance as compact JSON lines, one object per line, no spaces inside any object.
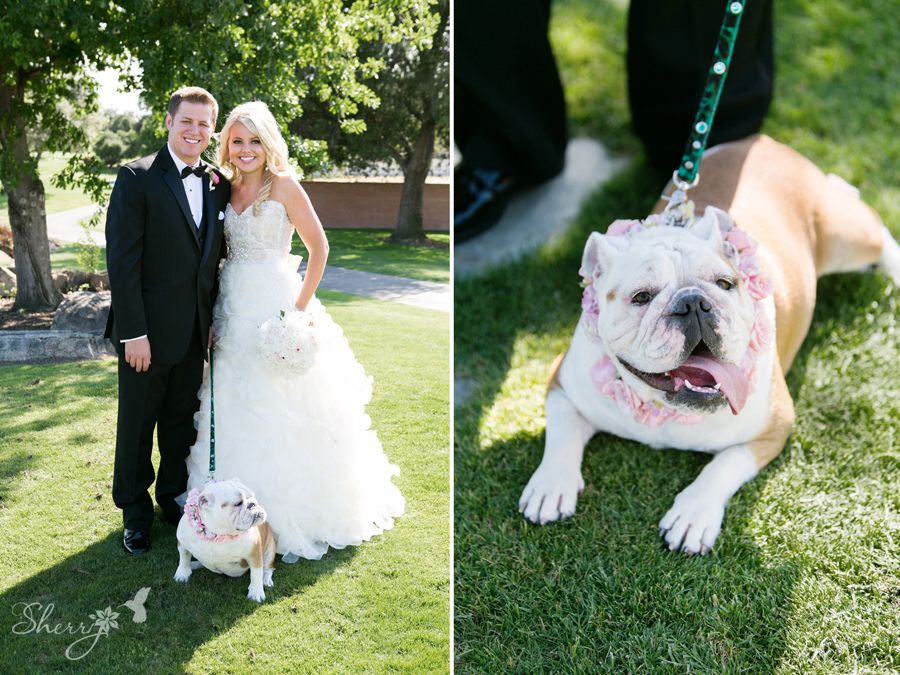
{"x":259,"y":238}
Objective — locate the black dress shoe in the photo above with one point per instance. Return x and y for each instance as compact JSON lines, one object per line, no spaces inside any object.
{"x":479,"y":199}
{"x":136,"y":542}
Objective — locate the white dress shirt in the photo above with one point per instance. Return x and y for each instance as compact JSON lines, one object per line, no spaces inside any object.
{"x":193,"y":187}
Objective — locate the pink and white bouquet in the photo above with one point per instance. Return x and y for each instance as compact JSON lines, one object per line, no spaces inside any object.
{"x":288,"y":342}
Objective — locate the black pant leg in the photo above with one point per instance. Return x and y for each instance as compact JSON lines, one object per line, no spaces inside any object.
{"x":509,"y":110}
{"x":140,"y":398}
{"x":670,"y":50}
{"x":175,"y":427}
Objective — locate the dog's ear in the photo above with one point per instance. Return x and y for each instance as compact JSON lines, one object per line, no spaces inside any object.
{"x":712,"y":226}
{"x":598,"y":256}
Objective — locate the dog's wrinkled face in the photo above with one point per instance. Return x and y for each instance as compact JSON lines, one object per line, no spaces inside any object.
{"x":674,"y":313}
{"x":228,"y":507}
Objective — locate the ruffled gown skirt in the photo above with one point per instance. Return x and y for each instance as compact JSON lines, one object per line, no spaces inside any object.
{"x":302,"y":443}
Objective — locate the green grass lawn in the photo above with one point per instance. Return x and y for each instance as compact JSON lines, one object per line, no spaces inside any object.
{"x":380,"y":607}
{"x":804,"y":578}
{"x":66,"y":257}
{"x":367,"y":250}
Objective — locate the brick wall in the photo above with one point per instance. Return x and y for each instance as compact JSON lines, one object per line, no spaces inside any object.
{"x":375,"y":202}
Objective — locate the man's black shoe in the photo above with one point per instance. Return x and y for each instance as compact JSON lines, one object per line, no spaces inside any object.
{"x":136,"y":542}
{"x":479,"y":199}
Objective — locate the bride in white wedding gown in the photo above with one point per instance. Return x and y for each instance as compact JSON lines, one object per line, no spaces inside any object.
{"x":302,"y":443}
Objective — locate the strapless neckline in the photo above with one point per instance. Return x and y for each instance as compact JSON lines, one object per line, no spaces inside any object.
{"x":249,"y":209}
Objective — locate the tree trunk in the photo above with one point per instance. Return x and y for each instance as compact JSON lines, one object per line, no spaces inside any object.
{"x":31,"y":247}
{"x":415,"y":171}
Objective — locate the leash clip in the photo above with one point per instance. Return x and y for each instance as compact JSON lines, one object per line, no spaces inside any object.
{"x":683,"y":185}
{"x":679,"y":212}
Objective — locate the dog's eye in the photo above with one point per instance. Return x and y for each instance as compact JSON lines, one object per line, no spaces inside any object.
{"x":239,"y":503}
{"x":725,"y":284}
{"x":641,"y":298}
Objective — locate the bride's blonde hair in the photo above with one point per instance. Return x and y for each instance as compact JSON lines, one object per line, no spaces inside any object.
{"x":256,"y":116}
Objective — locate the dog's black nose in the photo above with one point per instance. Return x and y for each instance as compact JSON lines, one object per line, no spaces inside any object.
{"x":692,"y":313}
{"x":690,"y":303}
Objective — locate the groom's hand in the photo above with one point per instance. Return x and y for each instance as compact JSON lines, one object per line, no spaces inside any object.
{"x":137,"y":354}
{"x":212,"y":337}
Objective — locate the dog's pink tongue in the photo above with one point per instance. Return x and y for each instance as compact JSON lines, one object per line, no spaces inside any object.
{"x":732,"y":382}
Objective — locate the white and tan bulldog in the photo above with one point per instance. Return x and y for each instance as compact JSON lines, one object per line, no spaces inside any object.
{"x":687,"y":333}
{"x":225,"y":529}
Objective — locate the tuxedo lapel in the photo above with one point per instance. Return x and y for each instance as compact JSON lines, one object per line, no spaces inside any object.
{"x":209,"y":208}
{"x":173,"y":180}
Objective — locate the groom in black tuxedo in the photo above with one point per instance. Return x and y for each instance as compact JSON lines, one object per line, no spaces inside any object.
{"x":164,"y":240}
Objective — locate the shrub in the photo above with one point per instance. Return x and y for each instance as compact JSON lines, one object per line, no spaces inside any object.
{"x":110,"y":149}
{"x":6,"y":241}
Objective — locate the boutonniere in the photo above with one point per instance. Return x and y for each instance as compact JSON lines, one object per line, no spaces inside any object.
{"x":213,"y":177}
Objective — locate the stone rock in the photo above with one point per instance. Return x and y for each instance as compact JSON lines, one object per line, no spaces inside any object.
{"x":51,"y":346}
{"x":72,"y":280}
{"x":99,"y":282}
{"x":84,"y":312}
{"x":7,"y":279}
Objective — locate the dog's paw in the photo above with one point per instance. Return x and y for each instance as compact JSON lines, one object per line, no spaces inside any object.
{"x":182,"y":574}
{"x":256,"y":594}
{"x":267,"y":578}
{"x":693,"y":523}
{"x":550,"y":495}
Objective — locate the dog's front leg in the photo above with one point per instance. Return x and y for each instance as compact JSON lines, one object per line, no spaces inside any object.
{"x":255,"y":591}
{"x":695,"y":519}
{"x":183,"y":573}
{"x":553,"y":490}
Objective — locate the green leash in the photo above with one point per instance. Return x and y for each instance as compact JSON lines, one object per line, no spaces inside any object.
{"x":182,"y":498}
{"x":688,"y":173}
{"x":212,"y":418}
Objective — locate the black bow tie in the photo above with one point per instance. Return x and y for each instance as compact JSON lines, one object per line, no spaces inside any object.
{"x":197,"y":171}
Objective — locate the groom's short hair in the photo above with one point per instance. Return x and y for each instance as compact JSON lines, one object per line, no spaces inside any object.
{"x":193,"y":95}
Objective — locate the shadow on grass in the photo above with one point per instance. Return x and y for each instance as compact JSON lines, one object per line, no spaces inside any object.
{"x":12,"y":465}
{"x":180,"y":618}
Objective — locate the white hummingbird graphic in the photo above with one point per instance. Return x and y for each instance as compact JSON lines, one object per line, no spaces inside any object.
{"x":136,"y":605}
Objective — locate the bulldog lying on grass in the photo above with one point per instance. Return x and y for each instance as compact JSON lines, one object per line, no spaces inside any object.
{"x":687,"y":332}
